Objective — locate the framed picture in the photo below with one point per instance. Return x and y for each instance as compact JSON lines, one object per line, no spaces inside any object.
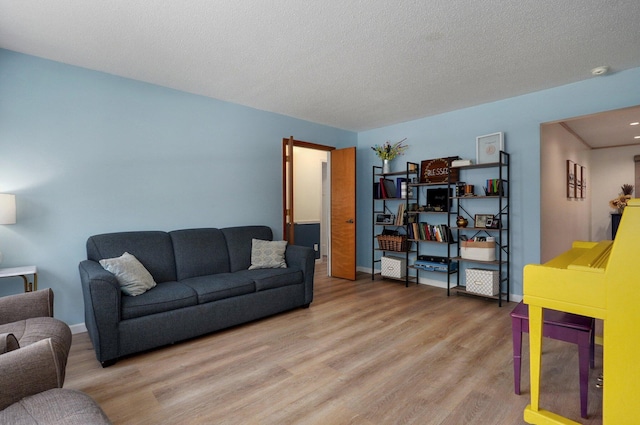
{"x":488,"y":148}
{"x":384,"y":218}
{"x":493,"y":223}
{"x":583,"y":181}
{"x":480,"y":220}
{"x":571,"y":179}
{"x":578,"y":173}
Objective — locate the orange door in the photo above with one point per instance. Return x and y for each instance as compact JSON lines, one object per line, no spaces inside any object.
{"x":343,"y":213}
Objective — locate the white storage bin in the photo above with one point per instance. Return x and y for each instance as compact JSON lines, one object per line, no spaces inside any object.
{"x":483,"y":281}
{"x":391,"y":266}
{"x":481,"y":251}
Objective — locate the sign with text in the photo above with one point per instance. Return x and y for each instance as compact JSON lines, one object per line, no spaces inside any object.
{"x":437,"y":170}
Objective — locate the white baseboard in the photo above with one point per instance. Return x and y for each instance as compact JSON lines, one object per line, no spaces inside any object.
{"x":78,"y":329}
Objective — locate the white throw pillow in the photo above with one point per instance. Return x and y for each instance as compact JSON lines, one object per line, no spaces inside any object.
{"x":268,"y":254}
{"x":133,"y":277}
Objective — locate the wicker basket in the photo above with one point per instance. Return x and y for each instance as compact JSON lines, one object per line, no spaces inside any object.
{"x":393,"y":243}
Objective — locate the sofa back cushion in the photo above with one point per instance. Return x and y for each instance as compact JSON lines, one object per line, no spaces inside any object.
{"x":239,"y":244}
{"x":199,"y":252}
{"x":153,"y":249}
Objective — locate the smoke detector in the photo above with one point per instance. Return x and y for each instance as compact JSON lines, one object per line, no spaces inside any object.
{"x":601,"y":70}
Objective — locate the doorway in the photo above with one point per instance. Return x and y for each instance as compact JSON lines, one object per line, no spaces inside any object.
{"x":311,"y":199}
{"x":604,"y":145}
{"x":319,"y":203}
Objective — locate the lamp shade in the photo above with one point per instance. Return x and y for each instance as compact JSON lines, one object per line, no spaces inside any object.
{"x":7,"y":208}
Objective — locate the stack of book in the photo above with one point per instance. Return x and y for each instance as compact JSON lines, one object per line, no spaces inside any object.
{"x":429,"y":232}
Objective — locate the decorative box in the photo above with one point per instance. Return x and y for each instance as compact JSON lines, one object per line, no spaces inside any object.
{"x":393,"y":267}
{"x":483,"y":281}
{"x":461,"y":163}
{"x":480,"y":251}
{"x":432,"y":266}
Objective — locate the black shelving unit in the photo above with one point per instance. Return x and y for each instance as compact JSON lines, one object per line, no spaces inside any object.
{"x":501,"y":209}
{"x":390,"y":206}
{"x":433,"y":223}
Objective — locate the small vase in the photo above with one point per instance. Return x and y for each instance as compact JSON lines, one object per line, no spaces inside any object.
{"x":386,"y":166}
{"x":462,"y":222}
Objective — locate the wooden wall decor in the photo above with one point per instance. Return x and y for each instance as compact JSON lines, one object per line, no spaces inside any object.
{"x":437,"y":170}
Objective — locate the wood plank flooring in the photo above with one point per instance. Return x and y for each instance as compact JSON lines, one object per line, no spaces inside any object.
{"x":365,"y":352}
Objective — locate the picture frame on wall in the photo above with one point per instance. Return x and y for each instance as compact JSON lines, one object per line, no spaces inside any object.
{"x":578,"y":185}
{"x":488,"y":148}
{"x":571,"y":179}
{"x":583,"y":182}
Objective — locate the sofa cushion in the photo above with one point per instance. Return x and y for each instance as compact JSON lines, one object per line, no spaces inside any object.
{"x":267,"y":254}
{"x":55,"y":406}
{"x":219,"y":286}
{"x":165,"y":296}
{"x":272,"y":278}
{"x":153,"y":249}
{"x":199,"y":252}
{"x":133,"y":278}
{"x":239,"y":244}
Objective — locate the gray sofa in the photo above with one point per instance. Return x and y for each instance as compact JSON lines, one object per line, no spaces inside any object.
{"x":203,"y":285}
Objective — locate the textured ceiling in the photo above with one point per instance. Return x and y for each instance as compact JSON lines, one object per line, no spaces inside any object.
{"x":355,"y":65}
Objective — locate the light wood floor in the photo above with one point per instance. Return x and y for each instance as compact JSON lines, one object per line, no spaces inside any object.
{"x":365,"y":353}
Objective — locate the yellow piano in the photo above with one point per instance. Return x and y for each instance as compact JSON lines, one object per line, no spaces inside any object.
{"x":601,"y":280}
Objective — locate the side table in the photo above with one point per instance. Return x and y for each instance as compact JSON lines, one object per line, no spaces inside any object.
{"x":23,"y":272}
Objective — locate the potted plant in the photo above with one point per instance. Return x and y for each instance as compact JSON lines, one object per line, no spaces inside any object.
{"x":387,"y":151}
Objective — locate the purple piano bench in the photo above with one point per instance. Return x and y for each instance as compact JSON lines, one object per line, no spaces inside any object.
{"x":562,"y":326}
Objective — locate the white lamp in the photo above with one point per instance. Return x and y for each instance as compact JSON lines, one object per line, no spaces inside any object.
{"x":7,"y":211}
{"x":7,"y":208}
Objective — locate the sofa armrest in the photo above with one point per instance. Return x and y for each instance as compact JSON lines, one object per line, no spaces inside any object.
{"x":303,"y":258}
{"x":102,"y":308}
{"x":28,"y":370}
{"x":8,"y":342}
{"x":26,"y":306}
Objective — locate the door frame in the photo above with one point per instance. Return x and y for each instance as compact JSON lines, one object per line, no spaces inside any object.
{"x":288,"y":181}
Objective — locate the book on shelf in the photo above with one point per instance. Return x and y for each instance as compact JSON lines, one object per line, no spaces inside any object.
{"x":430,"y":232}
{"x":388,"y":187}
{"x":494,"y":187}
{"x":400,"y":215}
{"x":401,"y":187}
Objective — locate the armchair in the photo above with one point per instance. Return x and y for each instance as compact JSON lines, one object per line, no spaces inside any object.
{"x":31,"y":392}
{"x":29,"y":317}
{"x":33,"y":356}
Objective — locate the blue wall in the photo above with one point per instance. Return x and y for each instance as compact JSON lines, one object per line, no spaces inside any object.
{"x":519,"y":118}
{"x":87,"y":152}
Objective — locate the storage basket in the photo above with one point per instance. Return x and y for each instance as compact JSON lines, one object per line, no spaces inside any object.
{"x":479,"y":251}
{"x":391,"y":266}
{"x":397,"y":243}
{"x":483,"y":281}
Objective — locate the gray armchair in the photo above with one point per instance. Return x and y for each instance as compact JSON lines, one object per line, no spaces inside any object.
{"x":30,"y":393}
{"x":33,"y":356}
{"x":29,"y":317}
